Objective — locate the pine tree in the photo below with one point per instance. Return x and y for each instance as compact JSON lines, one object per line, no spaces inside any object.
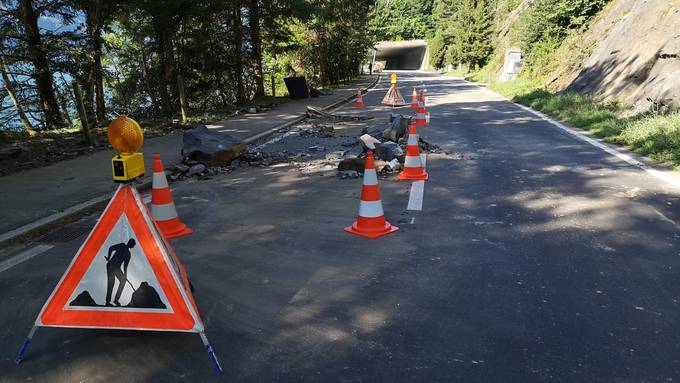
{"x":471,"y":27}
{"x":443,"y":16}
{"x":480,"y":44}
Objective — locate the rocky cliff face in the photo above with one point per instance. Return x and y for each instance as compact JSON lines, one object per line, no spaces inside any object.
{"x":636,"y":59}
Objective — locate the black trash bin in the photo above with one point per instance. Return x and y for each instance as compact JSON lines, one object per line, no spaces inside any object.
{"x":297,"y":87}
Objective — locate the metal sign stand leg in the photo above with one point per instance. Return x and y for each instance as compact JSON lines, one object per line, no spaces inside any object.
{"x":24,"y":347}
{"x":211,"y":353}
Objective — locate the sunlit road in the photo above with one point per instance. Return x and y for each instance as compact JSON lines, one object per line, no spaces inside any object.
{"x":537,"y":257}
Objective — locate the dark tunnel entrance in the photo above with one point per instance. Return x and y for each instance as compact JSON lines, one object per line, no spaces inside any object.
{"x":402,"y":55}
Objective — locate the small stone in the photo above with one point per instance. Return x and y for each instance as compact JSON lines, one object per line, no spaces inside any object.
{"x":349,"y":174}
{"x":393,"y":166}
{"x":196,"y":169}
{"x":369,"y":141}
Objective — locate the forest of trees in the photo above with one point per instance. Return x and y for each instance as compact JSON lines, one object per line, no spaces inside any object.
{"x":458,"y":31}
{"x":163,"y":58}
{"x":168,"y":58}
{"x":465,"y":32}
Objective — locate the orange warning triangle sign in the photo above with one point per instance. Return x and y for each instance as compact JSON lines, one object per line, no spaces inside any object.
{"x":125,"y":276}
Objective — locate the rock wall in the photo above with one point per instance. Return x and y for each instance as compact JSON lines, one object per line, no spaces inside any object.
{"x":637,"y":57}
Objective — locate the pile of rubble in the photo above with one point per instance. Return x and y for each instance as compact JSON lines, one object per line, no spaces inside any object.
{"x":388,"y":145}
{"x":312,"y":146}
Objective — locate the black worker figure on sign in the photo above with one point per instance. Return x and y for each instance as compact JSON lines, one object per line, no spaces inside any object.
{"x":116,"y":269}
{"x":118,"y":258}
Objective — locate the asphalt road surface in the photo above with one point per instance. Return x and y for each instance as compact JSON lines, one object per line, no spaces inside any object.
{"x":537,"y":257}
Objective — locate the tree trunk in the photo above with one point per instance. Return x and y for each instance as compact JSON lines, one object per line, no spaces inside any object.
{"x":85,"y":127}
{"x":94,"y":28}
{"x":323,"y":76}
{"x":256,"y":41}
{"x":166,"y":105}
{"x":12,"y":95}
{"x":42,"y":73}
{"x":87,"y":82}
{"x":98,"y":74}
{"x":220,"y":88}
{"x":238,"y":67}
{"x":63,"y":102}
{"x":273,"y":84}
{"x":182,"y":98}
{"x":169,"y":67}
{"x":147,"y":80}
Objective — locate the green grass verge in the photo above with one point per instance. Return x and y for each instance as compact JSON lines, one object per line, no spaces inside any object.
{"x":655,"y":136}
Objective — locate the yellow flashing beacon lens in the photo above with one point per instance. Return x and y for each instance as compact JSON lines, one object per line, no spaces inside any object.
{"x":126,"y":137}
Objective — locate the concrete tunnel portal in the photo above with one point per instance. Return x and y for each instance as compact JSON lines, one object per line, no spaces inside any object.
{"x":402,"y":55}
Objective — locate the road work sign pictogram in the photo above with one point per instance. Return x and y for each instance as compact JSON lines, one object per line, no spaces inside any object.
{"x":125,"y":276}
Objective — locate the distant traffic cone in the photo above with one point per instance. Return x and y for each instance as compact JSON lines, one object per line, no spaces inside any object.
{"x":413,"y":166}
{"x":359,"y":101}
{"x":371,"y":222}
{"x":414,"y":99}
{"x":427,"y":113}
{"x":162,"y":205}
{"x":421,"y":114}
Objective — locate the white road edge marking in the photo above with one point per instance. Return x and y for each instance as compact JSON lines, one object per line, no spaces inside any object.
{"x":662,"y":175}
{"x":24,"y":256}
{"x":415,"y":199}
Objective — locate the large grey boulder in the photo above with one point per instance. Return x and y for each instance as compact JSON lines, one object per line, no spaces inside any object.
{"x":213,"y":148}
{"x":398,"y":127}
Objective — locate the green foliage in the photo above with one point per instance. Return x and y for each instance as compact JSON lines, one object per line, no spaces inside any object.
{"x":545,"y":24}
{"x":473,"y":45}
{"x":331,"y":43}
{"x":401,"y":19}
{"x":437,"y":47}
{"x":463,"y":32}
{"x":218,"y":51}
{"x":520,"y":90}
{"x":503,"y":9}
{"x":656,"y":136}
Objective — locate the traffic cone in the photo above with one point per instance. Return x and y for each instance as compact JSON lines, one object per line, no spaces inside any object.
{"x":413,"y":166}
{"x":162,"y":205}
{"x":371,"y":222}
{"x":427,"y":113}
{"x":359,"y":101}
{"x":421,"y":114}
{"x":414,"y":99}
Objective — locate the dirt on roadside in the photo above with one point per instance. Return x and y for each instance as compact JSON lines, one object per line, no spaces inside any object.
{"x":20,"y":152}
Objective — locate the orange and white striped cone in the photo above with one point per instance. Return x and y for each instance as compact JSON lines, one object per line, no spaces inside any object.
{"x":414,"y":99}
{"x":162,"y":205}
{"x":427,"y":114}
{"x":421,"y":114}
{"x":371,"y":222}
{"x":359,"y":101}
{"x":413,"y":166}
